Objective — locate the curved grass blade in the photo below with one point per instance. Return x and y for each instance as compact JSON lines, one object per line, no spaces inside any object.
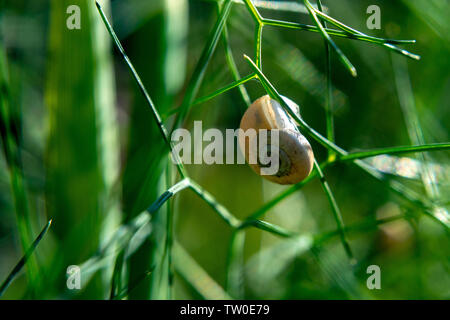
{"x":15,"y":271}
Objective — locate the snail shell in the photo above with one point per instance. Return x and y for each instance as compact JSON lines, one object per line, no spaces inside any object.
{"x":296,"y":158}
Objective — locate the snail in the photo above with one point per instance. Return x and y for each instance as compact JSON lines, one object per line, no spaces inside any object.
{"x":295,"y":155}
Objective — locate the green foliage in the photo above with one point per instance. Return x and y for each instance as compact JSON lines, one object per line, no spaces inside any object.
{"x":146,"y":256}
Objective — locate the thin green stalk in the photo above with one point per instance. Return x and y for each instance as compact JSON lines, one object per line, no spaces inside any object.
{"x":267,"y":226}
{"x":200,"y":69}
{"x":270,"y":204}
{"x":336,"y":211}
{"x":329,"y":95}
{"x":345,"y":61}
{"x":394,"y":150}
{"x":253,"y":11}
{"x":233,"y":68}
{"x":223,"y":212}
{"x":144,"y":91}
{"x":358,"y":227}
{"x":228,"y":87}
{"x":346,"y":28}
{"x":258,"y":47}
{"x":333,"y":32}
{"x":169,"y":239}
{"x":15,"y":271}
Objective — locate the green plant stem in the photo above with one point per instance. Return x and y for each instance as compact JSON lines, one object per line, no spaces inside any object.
{"x":200,"y":69}
{"x":233,"y":68}
{"x":356,"y":32}
{"x":253,"y":12}
{"x":333,"y":32}
{"x":345,"y":61}
{"x":329,"y":95}
{"x":156,"y":116}
{"x":15,"y":271}
{"x":228,"y":87}
{"x":169,"y":239}
{"x":223,"y":212}
{"x":394,"y":150}
{"x":335,"y":209}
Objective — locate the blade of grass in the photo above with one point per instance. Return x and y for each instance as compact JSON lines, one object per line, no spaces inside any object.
{"x":15,"y":271}
{"x":9,"y":134}
{"x":156,"y":116}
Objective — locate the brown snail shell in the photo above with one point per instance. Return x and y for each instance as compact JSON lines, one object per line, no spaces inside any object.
{"x":296,"y":158}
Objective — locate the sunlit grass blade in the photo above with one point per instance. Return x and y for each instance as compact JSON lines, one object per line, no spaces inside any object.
{"x":274,"y":201}
{"x":15,"y":271}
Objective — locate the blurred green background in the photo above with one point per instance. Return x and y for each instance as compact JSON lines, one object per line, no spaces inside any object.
{"x":92,"y":157}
